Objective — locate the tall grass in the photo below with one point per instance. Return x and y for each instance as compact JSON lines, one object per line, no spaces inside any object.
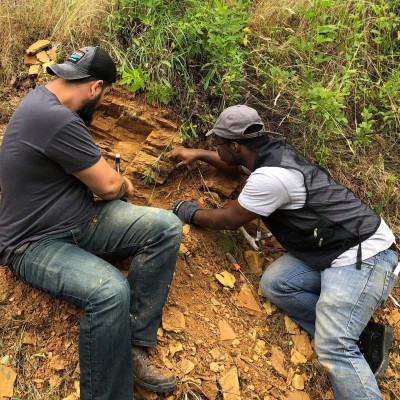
{"x":67,"y":23}
{"x":332,"y":65}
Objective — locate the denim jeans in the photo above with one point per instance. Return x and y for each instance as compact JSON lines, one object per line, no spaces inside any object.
{"x":334,"y":306}
{"x":76,"y":266}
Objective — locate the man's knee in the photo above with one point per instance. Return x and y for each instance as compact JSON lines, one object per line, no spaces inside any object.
{"x":168,"y":224}
{"x":270,"y":284}
{"x":112,"y":293}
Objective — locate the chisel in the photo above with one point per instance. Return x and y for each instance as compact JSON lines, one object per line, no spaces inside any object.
{"x":118,"y":167}
{"x":235,"y":265}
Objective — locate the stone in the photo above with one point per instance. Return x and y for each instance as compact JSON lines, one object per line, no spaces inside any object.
{"x":144,"y":394}
{"x":38,"y":46}
{"x":34,"y":71}
{"x":173,"y":320}
{"x":209,"y":389}
{"x":43,"y":57}
{"x":51,"y":53}
{"x":156,"y":169}
{"x":298,"y":395}
{"x":230,"y":385}
{"x":57,"y":363}
{"x":7,"y":379}
{"x":221,"y":185}
{"x":215,"y":353}
{"x":297,"y":358}
{"x":246,"y":299}
{"x":278,"y":361}
{"x":298,"y":382}
{"x":30,"y":60}
{"x":186,"y":366}
{"x":214,"y":367}
{"x":225,"y":278}
{"x":133,"y":120}
{"x":225,"y":330}
{"x":291,"y":326}
{"x":175,"y":348}
{"x":269,"y":308}
{"x":254,"y":261}
{"x":302,"y":344}
{"x":165,"y":123}
{"x":260,"y":347}
{"x":161,"y":140}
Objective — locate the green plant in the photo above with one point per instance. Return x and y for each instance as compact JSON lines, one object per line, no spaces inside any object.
{"x":190,"y":53}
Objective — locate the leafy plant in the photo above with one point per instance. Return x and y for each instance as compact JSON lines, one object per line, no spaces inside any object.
{"x":190,"y":53}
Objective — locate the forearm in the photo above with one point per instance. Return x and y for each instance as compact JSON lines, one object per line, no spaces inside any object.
{"x":217,"y":219}
{"x":122,"y":188}
{"x":212,"y":158}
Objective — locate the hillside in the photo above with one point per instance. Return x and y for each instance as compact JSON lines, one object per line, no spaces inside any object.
{"x":221,"y":342}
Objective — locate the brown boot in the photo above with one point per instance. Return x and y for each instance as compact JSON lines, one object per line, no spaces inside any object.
{"x":147,"y":377}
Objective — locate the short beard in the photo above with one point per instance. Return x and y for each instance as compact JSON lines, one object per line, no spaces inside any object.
{"x":86,"y":112}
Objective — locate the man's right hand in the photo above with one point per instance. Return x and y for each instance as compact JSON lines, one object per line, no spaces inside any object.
{"x":186,"y":156}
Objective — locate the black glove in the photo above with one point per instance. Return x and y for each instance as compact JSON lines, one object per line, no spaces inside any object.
{"x":185,"y":210}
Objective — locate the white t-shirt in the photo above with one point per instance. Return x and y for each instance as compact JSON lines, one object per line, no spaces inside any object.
{"x":270,"y":188}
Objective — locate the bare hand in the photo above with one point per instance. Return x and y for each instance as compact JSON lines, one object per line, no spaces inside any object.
{"x":186,"y":156}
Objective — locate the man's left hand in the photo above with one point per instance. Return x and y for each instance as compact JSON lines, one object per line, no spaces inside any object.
{"x":185,"y":210}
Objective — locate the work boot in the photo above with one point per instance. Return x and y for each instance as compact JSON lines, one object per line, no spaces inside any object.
{"x":375,"y":343}
{"x":147,"y":377}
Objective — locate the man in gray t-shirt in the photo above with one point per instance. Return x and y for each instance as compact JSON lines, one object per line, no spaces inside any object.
{"x":56,"y":237}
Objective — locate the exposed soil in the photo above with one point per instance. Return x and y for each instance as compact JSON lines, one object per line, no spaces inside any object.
{"x":209,"y":330}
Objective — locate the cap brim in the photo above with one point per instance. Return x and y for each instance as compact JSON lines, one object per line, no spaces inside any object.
{"x":66,"y":71}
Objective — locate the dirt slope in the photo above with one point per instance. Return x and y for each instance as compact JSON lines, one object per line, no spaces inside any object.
{"x":222,"y":342}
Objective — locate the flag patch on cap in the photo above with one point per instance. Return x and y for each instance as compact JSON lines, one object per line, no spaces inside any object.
{"x":76,"y":56}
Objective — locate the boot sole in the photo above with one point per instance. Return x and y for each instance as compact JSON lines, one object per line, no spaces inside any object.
{"x":161,"y":388}
{"x":388,"y":336}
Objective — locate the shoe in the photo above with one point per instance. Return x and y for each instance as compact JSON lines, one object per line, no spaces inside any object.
{"x":147,"y":377}
{"x":375,"y":344}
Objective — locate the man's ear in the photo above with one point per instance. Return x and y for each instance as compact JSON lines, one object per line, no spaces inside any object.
{"x":235,"y":147}
{"x":96,"y":87}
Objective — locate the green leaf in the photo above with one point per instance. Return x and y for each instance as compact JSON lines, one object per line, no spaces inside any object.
{"x":5,"y":359}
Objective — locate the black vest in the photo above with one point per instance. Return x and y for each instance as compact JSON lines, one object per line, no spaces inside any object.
{"x":332,"y":219}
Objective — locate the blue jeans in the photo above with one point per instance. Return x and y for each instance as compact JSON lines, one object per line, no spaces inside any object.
{"x":334,"y":306}
{"x":76,"y":266}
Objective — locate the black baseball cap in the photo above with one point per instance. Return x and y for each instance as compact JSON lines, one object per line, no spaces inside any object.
{"x":84,"y":63}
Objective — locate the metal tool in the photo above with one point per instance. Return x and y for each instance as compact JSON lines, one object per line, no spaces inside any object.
{"x":118,"y":168}
{"x":118,"y":162}
{"x":235,"y":265}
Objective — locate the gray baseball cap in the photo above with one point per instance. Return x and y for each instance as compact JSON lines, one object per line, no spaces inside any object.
{"x":84,"y":63}
{"x":233,"y":122}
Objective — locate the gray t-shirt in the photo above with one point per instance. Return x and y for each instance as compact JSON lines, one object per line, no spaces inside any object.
{"x":44,"y":144}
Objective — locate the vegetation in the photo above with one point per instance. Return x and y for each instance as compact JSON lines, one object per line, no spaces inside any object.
{"x":188,"y":53}
{"x":68,"y":23}
{"x":324,"y":73}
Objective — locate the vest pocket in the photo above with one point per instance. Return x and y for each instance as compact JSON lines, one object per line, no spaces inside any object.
{"x":315,"y":237}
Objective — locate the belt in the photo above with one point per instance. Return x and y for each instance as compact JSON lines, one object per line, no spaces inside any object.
{"x":393,"y":247}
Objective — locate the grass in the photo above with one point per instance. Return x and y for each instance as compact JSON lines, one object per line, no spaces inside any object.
{"x":67,"y":23}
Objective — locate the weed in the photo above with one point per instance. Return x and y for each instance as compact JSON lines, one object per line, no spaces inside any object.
{"x":190,"y":53}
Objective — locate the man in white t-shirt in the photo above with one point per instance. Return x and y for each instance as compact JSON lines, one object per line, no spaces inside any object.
{"x":338,"y":268}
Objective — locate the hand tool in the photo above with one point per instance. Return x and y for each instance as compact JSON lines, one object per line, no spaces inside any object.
{"x":235,"y":265}
{"x":118,"y":167}
{"x":118,"y":162}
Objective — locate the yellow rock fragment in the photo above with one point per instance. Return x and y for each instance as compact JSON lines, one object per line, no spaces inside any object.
{"x":37,"y":46}
{"x":225,"y":278}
